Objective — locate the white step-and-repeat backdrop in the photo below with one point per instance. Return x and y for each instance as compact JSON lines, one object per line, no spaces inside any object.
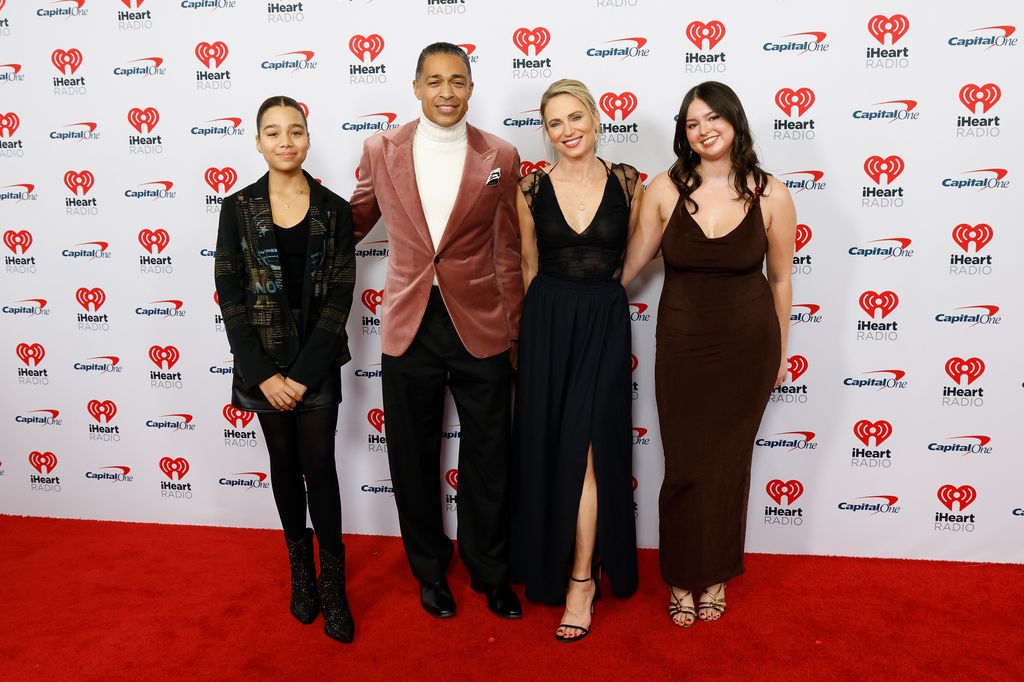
{"x":897,"y":127}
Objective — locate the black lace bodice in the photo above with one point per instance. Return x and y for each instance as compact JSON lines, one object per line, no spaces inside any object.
{"x":597,"y":252}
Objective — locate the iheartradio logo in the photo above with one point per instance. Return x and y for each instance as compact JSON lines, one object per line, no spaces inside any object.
{"x":697,"y":32}
{"x":80,"y":180}
{"x":376,"y":419}
{"x":963,"y":496}
{"x":236,"y":417}
{"x":895,"y":27}
{"x":452,"y":478}
{"x":527,"y":167}
{"x":43,"y":462}
{"x":778,"y":489}
{"x":154,"y":241}
{"x":18,"y":242}
{"x":212,"y":55}
{"x":174,"y":468}
{"x":90,"y":299}
{"x":960,"y":370}
{"x":220,"y":178}
{"x":143,"y":120}
{"x":801,"y":100}
{"x":9,"y":122}
{"x":866,"y":430}
{"x":797,"y":366}
{"x":984,"y":96}
{"x":622,"y":104}
{"x":803,"y":236}
{"x":30,"y":354}
{"x":537,"y":38}
{"x":874,"y":303}
{"x":372,"y":299}
{"x":891,"y":167}
{"x":366,"y":46}
{"x":164,"y":357}
{"x":101,"y":410}
{"x":965,"y":235}
{"x":66,"y":61}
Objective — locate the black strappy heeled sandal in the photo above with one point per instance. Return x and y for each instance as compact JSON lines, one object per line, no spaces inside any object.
{"x":577,"y":628}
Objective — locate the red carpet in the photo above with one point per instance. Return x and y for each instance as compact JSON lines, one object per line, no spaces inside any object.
{"x":100,"y":600}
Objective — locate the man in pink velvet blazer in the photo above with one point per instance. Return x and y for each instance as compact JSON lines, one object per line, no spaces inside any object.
{"x":450,"y":317}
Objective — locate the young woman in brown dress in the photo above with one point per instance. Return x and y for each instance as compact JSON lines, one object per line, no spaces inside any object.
{"x":721,"y":337}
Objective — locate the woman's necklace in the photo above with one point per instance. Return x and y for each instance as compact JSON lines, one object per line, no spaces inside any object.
{"x":580,"y":206}
{"x":287,"y":204}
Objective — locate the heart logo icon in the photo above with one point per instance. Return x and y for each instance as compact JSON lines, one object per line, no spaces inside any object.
{"x":30,"y":354}
{"x":787,"y":99}
{"x":866,"y":430}
{"x":212,"y":55}
{"x":66,"y":61}
{"x":979,"y":235}
{"x":143,"y":120}
{"x":82,"y":180}
{"x":154,"y":241}
{"x":43,"y":462}
{"x":885,"y":302}
{"x":363,"y":46}
{"x":536,"y":38}
{"x":452,"y":477}
{"x":797,"y":366}
{"x":376,"y":419}
{"x":236,"y":417}
{"x":778,"y":489}
{"x":697,"y":32}
{"x":623,"y":104}
{"x":164,"y":357}
{"x":220,"y":177}
{"x":102,"y":411}
{"x":372,"y":299}
{"x":803,"y":236}
{"x":18,"y":242}
{"x":174,"y":468}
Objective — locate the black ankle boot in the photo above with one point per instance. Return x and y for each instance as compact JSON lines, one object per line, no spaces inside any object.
{"x":305,"y":604}
{"x":338,"y":623}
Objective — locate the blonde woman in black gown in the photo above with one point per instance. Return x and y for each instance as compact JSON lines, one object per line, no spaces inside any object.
{"x":722,"y":326}
{"x":574,"y":498}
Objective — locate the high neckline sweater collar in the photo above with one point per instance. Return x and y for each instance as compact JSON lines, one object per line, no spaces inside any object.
{"x":431,"y":131}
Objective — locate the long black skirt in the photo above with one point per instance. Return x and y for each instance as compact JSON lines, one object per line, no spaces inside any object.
{"x":573,"y":390}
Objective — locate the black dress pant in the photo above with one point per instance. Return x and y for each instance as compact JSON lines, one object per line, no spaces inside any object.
{"x":413,"y":386}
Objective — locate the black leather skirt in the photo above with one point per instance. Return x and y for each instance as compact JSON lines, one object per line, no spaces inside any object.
{"x":251,"y":399}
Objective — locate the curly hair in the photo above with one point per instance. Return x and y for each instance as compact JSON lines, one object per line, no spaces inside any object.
{"x":725,"y":103}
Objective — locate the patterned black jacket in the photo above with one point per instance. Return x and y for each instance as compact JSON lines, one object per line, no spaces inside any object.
{"x":261,"y":329}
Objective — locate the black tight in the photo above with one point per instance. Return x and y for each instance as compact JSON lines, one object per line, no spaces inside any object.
{"x":302,"y":444}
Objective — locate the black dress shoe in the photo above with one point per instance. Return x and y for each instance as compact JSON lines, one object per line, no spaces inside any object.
{"x":501,"y":600}
{"x":436,"y":599}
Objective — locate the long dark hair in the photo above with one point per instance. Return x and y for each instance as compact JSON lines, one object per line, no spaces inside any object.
{"x":724,"y":102}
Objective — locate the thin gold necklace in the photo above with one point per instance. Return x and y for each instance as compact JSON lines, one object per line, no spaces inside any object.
{"x":580,"y":206}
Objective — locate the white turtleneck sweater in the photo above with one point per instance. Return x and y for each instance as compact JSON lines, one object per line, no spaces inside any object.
{"x":438,"y":156}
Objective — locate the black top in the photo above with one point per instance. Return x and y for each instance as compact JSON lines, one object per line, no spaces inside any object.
{"x":292,"y":244}
{"x":595,"y":253}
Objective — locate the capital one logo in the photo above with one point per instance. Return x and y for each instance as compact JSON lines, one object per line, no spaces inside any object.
{"x":894,"y":27}
{"x":865,"y":430}
{"x":376,"y":419}
{"x":101,"y":410}
{"x":372,"y":299}
{"x":874,"y":303}
{"x":962,"y":497}
{"x":218,"y":178}
{"x":43,"y":462}
{"x":984,"y":96}
{"x":797,"y":366}
{"x":960,"y":369}
{"x":452,"y":478}
{"x":9,"y":122}
{"x":90,"y":299}
{"x":164,"y":357}
{"x":788,"y":99}
{"x":698,"y":32}
{"x":366,"y":46}
{"x":536,"y":38}
{"x":802,"y":237}
{"x":154,"y":241}
{"x":79,"y":180}
{"x":66,"y":61}
{"x":979,"y":235}
{"x":891,"y":167}
{"x":791,"y":490}
{"x":236,"y":417}
{"x":622,"y":104}
{"x":143,"y":120}
{"x":212,"y":55}
{"x":174,"y":468}
{"x":527,"y":167}
{"x":18,"y":242}
{"x":30,"y":354}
